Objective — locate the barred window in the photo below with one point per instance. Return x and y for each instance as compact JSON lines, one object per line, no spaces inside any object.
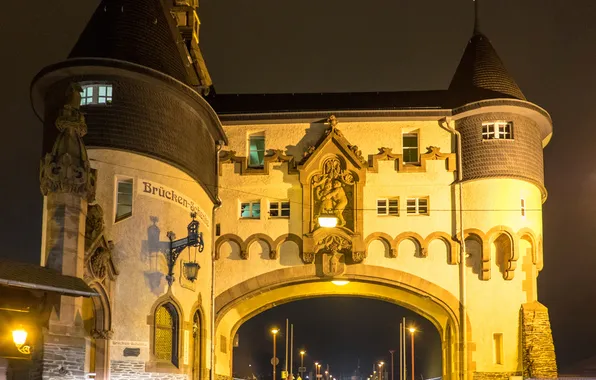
{"x":166,"y":334}
{"x":99,"y":93}
{"x":124,"y":199}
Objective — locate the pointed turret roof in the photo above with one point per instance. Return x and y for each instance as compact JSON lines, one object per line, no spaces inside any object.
{"x":481,"y":74}
{"x":137,"y":31}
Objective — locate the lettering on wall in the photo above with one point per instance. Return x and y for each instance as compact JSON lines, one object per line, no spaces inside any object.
{"x":165,"y":193}
{"x":186,"y":346}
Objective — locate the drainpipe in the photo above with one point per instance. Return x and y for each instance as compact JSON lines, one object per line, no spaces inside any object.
{"x":216,"y":206}
{"x":448,"y":125}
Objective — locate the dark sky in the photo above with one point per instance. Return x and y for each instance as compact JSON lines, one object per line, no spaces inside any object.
{"x":347,"y":45}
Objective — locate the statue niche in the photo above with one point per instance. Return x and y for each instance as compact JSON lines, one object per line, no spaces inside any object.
{"x":333,"y":194}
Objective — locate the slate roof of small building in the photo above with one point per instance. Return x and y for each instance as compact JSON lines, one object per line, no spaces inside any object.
{"x":136,"y":31}
{"x":30,"y":276}
{"x":481,"y":68}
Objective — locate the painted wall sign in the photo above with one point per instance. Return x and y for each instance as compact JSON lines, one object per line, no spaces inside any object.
{"x":165,"y":193}
{"x":129,"y":343}
{"x":129,"y":351}
{"x":186,"y":346}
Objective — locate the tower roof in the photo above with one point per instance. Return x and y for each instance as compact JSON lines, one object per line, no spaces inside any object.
{"x":481,"y":74}
{"x":137,"y":31}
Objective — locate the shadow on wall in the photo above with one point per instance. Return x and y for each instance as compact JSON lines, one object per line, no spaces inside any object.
{"x":153,"y":254}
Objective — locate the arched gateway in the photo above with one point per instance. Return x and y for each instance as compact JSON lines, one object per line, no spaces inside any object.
{"x":434,"y":200}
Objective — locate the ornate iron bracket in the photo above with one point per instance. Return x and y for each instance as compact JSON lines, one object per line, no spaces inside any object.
{"x":194,"y":239}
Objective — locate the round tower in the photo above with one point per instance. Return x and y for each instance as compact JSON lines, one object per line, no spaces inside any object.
{"x":153,"y":141}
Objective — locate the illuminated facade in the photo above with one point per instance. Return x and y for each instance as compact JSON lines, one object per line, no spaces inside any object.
{"x":437,"y":196}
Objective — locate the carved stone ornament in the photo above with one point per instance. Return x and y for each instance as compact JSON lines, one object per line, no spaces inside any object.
{"x":331,"y":190}
{"x":100,"y":261}
{"x":94,"y":224}
{"x":66,"y":169}
{"x":102,"y":334}
{"x":332,"y":249}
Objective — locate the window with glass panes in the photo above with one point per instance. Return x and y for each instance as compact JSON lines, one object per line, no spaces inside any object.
{"x":417,"y":206}
{"x":500,"y":130}
{"x":279,"y":209}
{"x":256,"y":150}
{"x":250,"y":210}
{"x":96,"y":94}
{"x":387,"y":206}
{"x":410,"y":147}
{"x":124,"y":199}
{"x":166,"y":334}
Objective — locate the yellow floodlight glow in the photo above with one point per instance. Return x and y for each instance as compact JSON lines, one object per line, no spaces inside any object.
{"x":19,"y":337}
{"x":340,"y":282}
{"x":327,"y":220}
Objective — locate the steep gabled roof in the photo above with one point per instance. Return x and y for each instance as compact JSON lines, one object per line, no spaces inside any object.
{"x":137,"y":31}
{"x":481,"y":74}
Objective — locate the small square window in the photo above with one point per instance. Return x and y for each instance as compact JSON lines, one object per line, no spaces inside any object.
{"x":256,"y":151}
{"x":124,"y":199}
{"x":410,"y":147}
{"x":417,"y":206}
{"x":96,"y":94}
{"x":388,"y":206}
{"x":498,"y":130}
{"x":279,"y":209}
{"x":250,"y":210}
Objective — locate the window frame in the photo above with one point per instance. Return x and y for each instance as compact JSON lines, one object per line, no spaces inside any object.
{"x":93,"y":99}
{"x":118,"y":179}
{"x":404,"y":148}
{"x":497,"y":130}
{"x":280,"y":209}
{"x":257,"y":135}
{"x":251,"y":203}
{"x":498,"y":353}
{"x":175,"y":315}
{"x":417,"y":206}
{"x":388,"y":206}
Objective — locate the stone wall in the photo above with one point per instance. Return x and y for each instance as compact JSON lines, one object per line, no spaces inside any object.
{"x":62,"y":362}
{"x":538,"y":350}
{"x":495,"y":375}
{"x":128,"y":369}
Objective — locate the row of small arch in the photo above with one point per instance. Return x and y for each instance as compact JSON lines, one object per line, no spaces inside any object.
{"x":485,"y":240}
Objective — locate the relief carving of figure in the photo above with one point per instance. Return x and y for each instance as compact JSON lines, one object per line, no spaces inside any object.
{"x":100,"y":262}
{"x":329,"y":190}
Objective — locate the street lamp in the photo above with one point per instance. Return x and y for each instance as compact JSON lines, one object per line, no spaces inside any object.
{"x":318,"y":370}
{"x":381,"y":370}
{"x":274,"y":331}
{"x":302,"y":352}
{"x":19,"y":337}
{"x":412,"y":331}
{"x":194,"y":239}
{"x":327,"y":220}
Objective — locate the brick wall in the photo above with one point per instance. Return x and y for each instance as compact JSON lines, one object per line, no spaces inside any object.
{"x":518,"y":158}
{"x":62,"y":362}
{"x":128,"y":369}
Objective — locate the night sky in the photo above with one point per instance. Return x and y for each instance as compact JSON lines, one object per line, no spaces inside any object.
{"x":266,"y":46}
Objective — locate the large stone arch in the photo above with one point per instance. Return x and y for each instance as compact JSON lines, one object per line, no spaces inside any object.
{"x":243,"y":301}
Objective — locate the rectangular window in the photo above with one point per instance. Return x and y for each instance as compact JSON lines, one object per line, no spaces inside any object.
{"x":250,"y":210}
{"x":498,"y":130}
{"x":124,"y":199}
{"x":498,"y":348}
{"x":256,"y":151}
{"x":217,"y":229}
{"x":523,"y":207}
{"x":388,"y":206}
{"x":410,"y":147}
{"x":279,"y":209}
{"x":417,"y":206}
{"x":99,"y":93}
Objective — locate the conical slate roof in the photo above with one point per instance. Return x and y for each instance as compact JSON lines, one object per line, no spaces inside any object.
{"x":481,"y":73}
{"x":137,"y":31}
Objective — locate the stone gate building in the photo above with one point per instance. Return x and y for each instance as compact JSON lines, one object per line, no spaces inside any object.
{"x":437,"y":198}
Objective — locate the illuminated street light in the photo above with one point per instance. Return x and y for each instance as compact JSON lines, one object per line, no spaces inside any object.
{"x":340,"y":282}
{"x":19,"y":337}
{"x":302,"y":352}
{"x":412,"y":331}
{"x":274,"y":331}
{"x":327,"y":220}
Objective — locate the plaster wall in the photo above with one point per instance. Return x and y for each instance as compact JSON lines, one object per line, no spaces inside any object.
{"x":140,"y":244}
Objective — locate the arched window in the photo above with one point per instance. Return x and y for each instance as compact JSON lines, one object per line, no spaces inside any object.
{"x":166,"y":334}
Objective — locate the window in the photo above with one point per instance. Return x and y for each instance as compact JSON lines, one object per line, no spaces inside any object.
{"x":498,"y":348}
{"x":123,"y":199}
{"x":417,"y":206}
{"x":388,"y":206}
{"x":410,"y":147}
{"x":279,"y":209}
{"x":498,"y":130}
{"x":256,"y":150}
{"x":250,"y":210}
{"x":166,"y":334}
{"x":523,"y":207}
{"x":96,"y":94}
{"x":217,"y":229}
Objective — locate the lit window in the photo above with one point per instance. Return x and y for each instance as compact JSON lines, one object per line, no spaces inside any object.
{"x":410,"y":147}
{"x":417,"y":206}
{"x":123,"y":199}
{"x":256,"y":151}
{"x":498,"y":130}
{"x":388,"y":206}
{"x":279,"y":209}
{"x":166,"y":334}
{"x":250,"y":210}
{"x":96,"y":94}
{"x":523,"y":207}
{"x":498,"y":348}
